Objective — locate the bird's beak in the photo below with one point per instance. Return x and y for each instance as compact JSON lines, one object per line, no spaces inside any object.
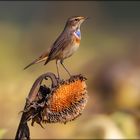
{"x":83,"y":19}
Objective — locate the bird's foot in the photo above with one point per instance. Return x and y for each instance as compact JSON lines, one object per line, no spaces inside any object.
{"x":59,"y":80}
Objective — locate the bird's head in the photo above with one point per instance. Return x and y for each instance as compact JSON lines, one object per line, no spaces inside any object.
{"x":75,"y":22}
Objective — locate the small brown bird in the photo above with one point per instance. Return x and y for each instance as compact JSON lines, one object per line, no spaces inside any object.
{"x":65,"y":45}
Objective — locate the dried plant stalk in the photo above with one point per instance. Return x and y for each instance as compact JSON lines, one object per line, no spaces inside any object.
{"x":62,"y":102}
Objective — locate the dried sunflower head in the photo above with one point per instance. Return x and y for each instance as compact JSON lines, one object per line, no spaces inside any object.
{"x":63,"y":102}
{"x":67,"y":100}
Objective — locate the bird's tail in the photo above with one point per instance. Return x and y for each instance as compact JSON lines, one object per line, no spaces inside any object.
{"x":36,"y":61}
{"x":30,"y":65}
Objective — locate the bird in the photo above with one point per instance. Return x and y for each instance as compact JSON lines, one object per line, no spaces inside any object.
{"x":65,"y":45}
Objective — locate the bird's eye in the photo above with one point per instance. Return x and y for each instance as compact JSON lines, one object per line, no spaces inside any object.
{"x":76,"y":19}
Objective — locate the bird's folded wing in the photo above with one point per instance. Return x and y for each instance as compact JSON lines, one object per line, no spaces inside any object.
{"x":59,"y":45}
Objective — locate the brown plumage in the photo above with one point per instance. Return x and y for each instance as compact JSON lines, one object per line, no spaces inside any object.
{"x":65,"y":45}
{"x":42,"y":58}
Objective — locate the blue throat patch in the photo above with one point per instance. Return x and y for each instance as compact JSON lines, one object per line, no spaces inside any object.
{"x":78,"y":33}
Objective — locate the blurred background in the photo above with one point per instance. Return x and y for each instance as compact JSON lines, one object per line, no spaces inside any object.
{"x":109,"y":56}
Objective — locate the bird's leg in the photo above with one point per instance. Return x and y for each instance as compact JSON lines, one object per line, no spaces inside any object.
{"x":57,"y":69}
{"x":65,"y":68}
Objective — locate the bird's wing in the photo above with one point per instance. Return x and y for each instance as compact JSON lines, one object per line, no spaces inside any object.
{"x":60,"y":44}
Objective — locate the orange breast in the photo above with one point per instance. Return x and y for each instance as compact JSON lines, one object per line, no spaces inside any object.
{"x":77,"y":40}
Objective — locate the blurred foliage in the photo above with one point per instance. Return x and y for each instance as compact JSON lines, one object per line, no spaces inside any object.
{"x":2,"y":132}
{"x":109,"y":56}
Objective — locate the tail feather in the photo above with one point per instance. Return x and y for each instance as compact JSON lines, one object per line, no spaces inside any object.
{"x":46,"y":61}
{"x":30,"y":65}
{"x":36,"y":61}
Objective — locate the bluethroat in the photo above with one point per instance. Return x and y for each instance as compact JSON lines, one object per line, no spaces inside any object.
{"x":65,"y":45}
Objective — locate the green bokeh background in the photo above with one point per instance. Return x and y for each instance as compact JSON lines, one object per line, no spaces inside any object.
{"x":109,"y":56}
